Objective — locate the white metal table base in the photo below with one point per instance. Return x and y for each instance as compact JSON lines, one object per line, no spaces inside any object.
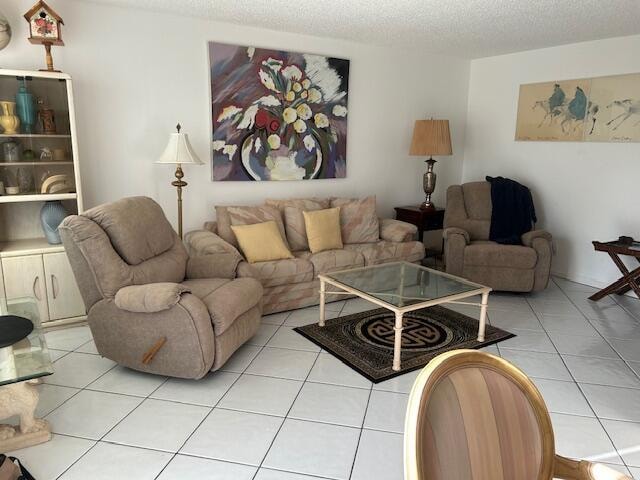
{"x":400,"y":311}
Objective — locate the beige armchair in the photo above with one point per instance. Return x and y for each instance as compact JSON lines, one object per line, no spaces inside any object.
{"x":472,"y":415}
{"x":151,"y":306}
{"x":470,"y":254}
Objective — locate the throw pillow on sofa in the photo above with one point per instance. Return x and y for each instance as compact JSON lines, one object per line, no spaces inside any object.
{"x":246,"y":215}
{"x":323,"y":229}
{"x":358,"y":219}
{"x":261,"y":242}
{"x":294,"y":221}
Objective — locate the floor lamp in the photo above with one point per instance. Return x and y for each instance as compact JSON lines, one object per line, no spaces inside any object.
{"x":179,"y":152}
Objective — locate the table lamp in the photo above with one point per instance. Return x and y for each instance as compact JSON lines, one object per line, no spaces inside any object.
{"x":179,"y":152}
{"x":430,"y":137}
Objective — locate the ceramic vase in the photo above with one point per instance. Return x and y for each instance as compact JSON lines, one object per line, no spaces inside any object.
{"x":51,"y":216}
{"x":297,"y":162}
{"x":26,"y":108}
{"x":9,"y":120}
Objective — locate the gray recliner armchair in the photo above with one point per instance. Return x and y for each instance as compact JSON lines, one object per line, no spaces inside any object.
{"x":151,"y":306}
{"x":470,"y":254}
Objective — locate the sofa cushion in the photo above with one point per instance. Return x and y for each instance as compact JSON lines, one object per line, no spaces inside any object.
{"x":491,"y":254}
{"x":248,"y":215}
{"x":358,"y":219}
{"x":280,"y":272}
{"x":136,"y":227}
{"x":261,"y":242}
{"x":226,"y":299}
{"x":383,"y":252}
{"x":333,"y":260}
{"x":293,"y":220}
{"x":323,"y":229}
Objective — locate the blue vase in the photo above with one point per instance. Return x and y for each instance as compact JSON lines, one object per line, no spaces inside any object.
{"x":51,"y":216}
{"x":26,"y":108}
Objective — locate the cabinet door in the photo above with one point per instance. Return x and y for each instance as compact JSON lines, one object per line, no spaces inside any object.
{"x":63,"y":295}
{"x":24,"y":277}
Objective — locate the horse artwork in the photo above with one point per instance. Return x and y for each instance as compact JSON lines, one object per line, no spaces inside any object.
{"x":619,"y":117}
{"x":603,"y":109}
{"x":553,"y":111}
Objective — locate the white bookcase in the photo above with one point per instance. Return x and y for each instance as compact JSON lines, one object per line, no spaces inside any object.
{"x":29,"y":265}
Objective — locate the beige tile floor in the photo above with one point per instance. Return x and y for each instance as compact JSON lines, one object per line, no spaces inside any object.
{"x":281,"y":409}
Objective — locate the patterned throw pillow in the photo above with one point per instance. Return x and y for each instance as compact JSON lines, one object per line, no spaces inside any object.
{"x":228,"y":216}
{"x":294,"y":221}
{"x":358,"y":219}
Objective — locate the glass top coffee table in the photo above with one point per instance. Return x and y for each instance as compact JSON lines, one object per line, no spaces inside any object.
{"x":403,"y":287}
{"x":21,"y":366}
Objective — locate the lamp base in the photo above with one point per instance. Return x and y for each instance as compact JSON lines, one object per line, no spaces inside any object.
{"x":428,"y":185}
{"x":427,"y":205}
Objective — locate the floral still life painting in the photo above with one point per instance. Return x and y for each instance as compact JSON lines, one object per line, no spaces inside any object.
{"x":277,"y":115}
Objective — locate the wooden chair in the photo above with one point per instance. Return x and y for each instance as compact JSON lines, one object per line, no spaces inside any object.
{"x":475,"y":416}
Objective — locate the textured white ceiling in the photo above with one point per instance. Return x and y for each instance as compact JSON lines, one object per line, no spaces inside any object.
{"x":465,"y":28}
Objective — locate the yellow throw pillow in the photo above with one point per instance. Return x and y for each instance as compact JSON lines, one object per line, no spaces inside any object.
{"x":261,"y":242}
{"x":323,"y":229}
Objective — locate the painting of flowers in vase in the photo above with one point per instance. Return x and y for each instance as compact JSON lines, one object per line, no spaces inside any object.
{"x":277,"y":115}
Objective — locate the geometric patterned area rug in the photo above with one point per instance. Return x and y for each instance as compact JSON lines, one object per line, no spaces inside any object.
{"x":364,"y":341}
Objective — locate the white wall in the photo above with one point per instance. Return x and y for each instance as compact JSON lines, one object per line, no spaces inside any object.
{"x":583,"y":191}
{"x":137,"y":73}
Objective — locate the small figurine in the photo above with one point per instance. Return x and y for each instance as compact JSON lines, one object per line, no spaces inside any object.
{"x":44,"y":29}
{"x":46,"y":155}
{"x":47,"y":118}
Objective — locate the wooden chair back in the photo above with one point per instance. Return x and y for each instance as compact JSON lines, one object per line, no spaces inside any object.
{"x":472,"y":415}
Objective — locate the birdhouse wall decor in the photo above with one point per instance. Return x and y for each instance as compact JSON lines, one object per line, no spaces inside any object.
{"x":45,"y":29}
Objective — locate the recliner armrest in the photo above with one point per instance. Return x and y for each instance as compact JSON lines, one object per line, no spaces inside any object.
{"x":149,"y":298}
{"x":397,"y":231}
{"x":529,"y":237}
{"x":449,"y":231}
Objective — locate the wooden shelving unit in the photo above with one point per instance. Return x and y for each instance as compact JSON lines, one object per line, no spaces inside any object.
{"x":29,"y":265}
{"x":32,"y":135}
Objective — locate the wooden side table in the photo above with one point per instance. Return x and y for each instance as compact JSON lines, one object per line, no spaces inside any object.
{"x":629,"y":279}
{"x":425,"y":220}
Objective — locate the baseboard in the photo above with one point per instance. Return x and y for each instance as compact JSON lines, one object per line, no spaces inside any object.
{"x":588,"y":281}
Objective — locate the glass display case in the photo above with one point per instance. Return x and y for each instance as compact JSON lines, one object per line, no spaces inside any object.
{"x":39,"y":186}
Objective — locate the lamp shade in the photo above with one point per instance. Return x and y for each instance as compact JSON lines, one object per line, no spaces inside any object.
{"x":431,"y":137}
{"x":179,"y":150}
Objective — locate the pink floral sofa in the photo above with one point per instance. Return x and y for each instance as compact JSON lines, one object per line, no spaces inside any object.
{"x":292,"y":283}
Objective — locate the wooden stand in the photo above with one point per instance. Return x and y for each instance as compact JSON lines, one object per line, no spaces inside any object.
{"x":48,"y":58}
{"x":629,"y":279}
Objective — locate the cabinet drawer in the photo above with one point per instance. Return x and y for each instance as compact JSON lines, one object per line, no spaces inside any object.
{"x":24,"y":277}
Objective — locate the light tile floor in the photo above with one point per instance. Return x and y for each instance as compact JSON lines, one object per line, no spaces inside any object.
{"x":281,"y":409}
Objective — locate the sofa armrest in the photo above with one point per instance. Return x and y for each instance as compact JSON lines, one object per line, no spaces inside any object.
{"x":149,"y":298}
{"x":396,"y":231}
{"x":529,"y":237}
{"x":216,"y":265}
{"x":210,"y":256}
{"x":448,"y":232}
{"x":211,"y":226}
{"x":567,"y":469}
{"x":205,"y":242}
{"x":246,"y":270}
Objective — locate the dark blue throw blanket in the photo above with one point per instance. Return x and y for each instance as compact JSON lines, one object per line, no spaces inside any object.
{"x":512,"y":211}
